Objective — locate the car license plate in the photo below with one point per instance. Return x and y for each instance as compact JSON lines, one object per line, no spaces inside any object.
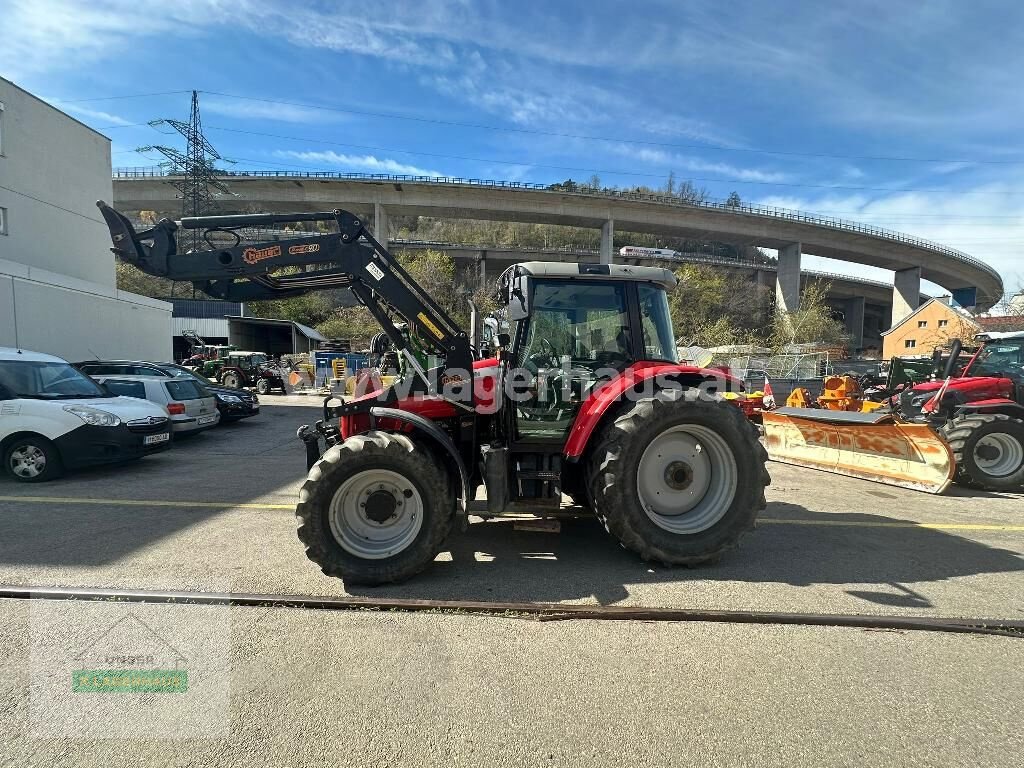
{"x":163,"y":437}
{"x":207,"y":419}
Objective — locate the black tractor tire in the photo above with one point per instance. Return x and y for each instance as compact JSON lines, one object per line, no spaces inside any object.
{"x":963,"y":435}
{"x":231,"y":379}
{"x":615,"y":463}
{"x":262,"y":386}
{"x":357,"y":457}
{"x":37,"y":447}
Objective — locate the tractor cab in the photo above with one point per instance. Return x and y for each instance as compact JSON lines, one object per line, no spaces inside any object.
{"x":576,"y":326}
{"x":1002,"y":355}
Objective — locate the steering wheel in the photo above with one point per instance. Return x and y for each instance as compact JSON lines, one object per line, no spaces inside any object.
{"x":544,"y":356}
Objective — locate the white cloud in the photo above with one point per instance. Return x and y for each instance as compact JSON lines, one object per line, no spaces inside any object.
{"x":87,"y":112}
{"x":263,"y":111}
{"x":368,"y":163}
{"x":674,"y":161}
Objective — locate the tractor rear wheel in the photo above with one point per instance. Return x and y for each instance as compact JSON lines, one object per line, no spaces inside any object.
{"x":375,"y":509}
{"x":677,"y":480}
{"x":988,"y":449}
{"x":231,"y":379}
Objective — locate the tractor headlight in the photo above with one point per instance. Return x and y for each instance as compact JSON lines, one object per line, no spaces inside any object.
{"x":93,"y":416}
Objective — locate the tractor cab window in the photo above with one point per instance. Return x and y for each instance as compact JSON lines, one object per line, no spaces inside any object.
{"x":1001,"y":359}
{"x":577,"y":332}
{"x":656,"y":321}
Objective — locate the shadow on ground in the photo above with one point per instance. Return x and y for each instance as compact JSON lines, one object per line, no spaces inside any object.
{"x":493,"y":561}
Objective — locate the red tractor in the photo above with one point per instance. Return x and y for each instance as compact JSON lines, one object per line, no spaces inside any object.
{"x":586,"y":398}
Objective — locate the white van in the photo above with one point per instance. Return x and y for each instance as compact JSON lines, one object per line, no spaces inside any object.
{"x":53,"y":417}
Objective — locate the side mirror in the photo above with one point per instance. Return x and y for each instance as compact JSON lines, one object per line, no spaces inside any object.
{"x":519,"y":299}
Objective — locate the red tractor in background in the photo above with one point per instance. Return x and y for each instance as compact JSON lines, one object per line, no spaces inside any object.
{"x":585,"y":397}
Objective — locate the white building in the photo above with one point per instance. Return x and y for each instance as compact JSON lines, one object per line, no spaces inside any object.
{"x":57,"y":288}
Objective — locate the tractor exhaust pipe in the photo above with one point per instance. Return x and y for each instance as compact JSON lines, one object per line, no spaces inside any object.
{"x":954,"y":356}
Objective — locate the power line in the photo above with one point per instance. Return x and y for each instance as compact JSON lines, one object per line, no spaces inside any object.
{"x":574,"y":169}
{"x":125,"y":96}
{"x":583,"y":137}
{"x":52,"y":205}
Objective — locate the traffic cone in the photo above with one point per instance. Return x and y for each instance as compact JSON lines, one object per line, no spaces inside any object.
{"x":768,"y":401}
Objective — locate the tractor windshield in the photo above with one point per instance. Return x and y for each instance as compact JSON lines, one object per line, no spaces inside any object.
{"x":1001,"y":358}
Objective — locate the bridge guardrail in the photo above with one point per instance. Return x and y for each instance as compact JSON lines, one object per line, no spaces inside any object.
{"x":582,"y":189}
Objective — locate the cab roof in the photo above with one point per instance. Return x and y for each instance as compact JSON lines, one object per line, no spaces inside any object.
{"x":568,"y":271}
{"x":999,"y":336}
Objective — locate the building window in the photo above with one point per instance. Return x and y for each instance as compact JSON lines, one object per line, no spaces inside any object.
{"x":1,"y":129}
{"x":3,"y":221}
{"x":909,"y":343}
{"x":922,"y":323}
{"x":943,"y":323}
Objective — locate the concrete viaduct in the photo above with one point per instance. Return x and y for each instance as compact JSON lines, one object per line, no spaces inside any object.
{"x":791,"y":233}
{"x":866,"y":305}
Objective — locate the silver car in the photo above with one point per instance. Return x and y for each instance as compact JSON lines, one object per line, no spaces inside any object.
{"x":190,"y":406}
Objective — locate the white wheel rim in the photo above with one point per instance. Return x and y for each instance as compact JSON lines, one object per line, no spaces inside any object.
{"x":28,"y":461}
{"x":998,"y":454}
{"x":686,"y":479}
{"x":358,"y":528}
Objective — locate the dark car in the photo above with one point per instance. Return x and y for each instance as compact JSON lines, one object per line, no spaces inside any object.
{"x":232,"y":403}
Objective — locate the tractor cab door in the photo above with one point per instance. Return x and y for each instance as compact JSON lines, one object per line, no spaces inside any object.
{"x":576,"y":335}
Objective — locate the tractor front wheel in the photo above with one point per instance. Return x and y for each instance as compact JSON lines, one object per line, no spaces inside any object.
{"x":988,"y":449}
{"x":678,"y":480}
{"x":375,"y":509}
{"x":262,"y":386}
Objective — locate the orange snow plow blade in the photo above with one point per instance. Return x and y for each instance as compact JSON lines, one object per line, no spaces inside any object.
{"x":869,"y":446}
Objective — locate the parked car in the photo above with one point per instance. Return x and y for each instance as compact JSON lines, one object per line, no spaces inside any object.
{"x":232,"y":403}
{"x":53,"y":417}
{"x":189,"y":405}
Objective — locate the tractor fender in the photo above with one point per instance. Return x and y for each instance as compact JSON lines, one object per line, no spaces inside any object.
{"x":439,"y":436}
{"x":1001,"y":405}
{"x":601,"y":401}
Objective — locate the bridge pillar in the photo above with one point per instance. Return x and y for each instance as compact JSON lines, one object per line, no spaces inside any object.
{"x":380,"y":224}
{"x":787,"y":280}
{"x":853,"y":311}
{"x":608,"y":242}
{"x":906,"y":293}
{"x":483,"y":269}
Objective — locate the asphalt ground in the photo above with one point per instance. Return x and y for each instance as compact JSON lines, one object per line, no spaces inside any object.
{"x":215,"y":513}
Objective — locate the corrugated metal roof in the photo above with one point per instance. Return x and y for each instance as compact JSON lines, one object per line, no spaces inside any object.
{"x":204,"y":308}
{"x":309,"y":333}
{"x":205,"y":327}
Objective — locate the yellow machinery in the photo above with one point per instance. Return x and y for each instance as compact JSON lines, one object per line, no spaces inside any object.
{"x":840,"y":393}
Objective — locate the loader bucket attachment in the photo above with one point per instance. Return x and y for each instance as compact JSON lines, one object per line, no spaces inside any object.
{"x":148,"y":250}
{"x":868,"y":446}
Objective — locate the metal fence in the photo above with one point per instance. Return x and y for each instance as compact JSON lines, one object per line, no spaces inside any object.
{"x":584,"y":190}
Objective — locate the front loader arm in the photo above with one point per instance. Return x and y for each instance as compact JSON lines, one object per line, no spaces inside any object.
{"x":349,"y":258}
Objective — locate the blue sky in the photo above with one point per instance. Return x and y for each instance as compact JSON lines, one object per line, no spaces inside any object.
{"x":904,"y":115}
